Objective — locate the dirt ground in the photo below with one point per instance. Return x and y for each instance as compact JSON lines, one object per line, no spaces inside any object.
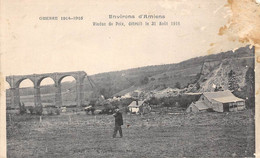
{"x":153,"y":135}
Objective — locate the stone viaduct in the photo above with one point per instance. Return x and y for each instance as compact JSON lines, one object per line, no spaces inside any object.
{"x":15,"y":81}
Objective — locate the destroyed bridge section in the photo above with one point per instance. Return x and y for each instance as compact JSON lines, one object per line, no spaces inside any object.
{"x":14,"y":82}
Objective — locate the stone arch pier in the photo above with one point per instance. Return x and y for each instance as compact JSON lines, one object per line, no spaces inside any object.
{"x":14,"y":82}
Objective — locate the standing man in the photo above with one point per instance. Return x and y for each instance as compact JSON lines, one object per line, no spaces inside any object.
{"x":118,"y":123}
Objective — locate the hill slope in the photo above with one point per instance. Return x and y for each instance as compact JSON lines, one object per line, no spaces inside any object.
{"x":194,"y":75}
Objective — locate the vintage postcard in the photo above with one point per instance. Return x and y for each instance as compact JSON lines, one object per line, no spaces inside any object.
{"x":121,"y":78}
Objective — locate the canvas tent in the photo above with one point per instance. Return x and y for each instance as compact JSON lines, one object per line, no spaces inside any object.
{"x":221,"y":101}
{"x":197,"y":107}
{"x":134,"y":107}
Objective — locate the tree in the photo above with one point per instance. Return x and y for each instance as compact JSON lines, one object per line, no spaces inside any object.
{"x":197,"y":86}
{"x":38,"y":109}
{"x":250,"y":87}
{"x":106,"y":92}
{"x":145,"y":80}
{"x":250,"y":81}
{"x":198,"y":76}
{"x":177,"y":85}
{"x":22,"y":109}
{"x":153,"y":101}
{"x":232,"y":81}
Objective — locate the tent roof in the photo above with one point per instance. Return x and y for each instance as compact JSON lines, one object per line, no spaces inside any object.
{"x":222,"y":96}
{"x":133,"y":104}
{"x":201,"y":105}
{"x":228,"y":99}
{"x":211,"y":95}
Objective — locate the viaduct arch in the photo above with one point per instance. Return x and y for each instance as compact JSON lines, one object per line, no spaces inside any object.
{"x":14,"y":82}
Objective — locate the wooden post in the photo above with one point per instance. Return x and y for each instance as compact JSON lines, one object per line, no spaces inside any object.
{"x":69,"y":118}
{"x":40,"y":118}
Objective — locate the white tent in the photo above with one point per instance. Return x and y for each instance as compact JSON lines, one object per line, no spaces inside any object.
{"x":197,"y":107}
{"x":135,"y":105}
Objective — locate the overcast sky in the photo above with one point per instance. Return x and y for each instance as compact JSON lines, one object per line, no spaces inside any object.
{"x":32,"y":46}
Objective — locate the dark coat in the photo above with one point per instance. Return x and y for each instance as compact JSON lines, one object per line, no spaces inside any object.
{"x":118,"y":119}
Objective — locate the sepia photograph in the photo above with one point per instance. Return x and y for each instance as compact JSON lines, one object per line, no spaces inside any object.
{"x":118,"y":79}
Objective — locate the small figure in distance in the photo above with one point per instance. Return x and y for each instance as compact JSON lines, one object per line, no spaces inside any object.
{"x":118,"y":123}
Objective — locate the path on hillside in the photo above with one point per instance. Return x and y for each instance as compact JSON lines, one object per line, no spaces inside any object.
{"x":213,"y":75}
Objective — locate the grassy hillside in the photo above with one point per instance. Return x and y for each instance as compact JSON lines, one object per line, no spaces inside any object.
{"x":203,"y":71}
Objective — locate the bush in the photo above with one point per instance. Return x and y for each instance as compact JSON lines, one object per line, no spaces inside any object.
{"x":57,"y":111}
{"x":22,"y":109}
{"x":153,"y":101}
{"x":126,"y":110}
{"x":50,"y":111}
{"x":249,"y":98}
{"x":182,"y":101}
{"x":92,"y":109}
{"x":144,"y":81}
{"x":177,"y":85}
{"x":31,"y":109}
{"x":38,"y":110}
